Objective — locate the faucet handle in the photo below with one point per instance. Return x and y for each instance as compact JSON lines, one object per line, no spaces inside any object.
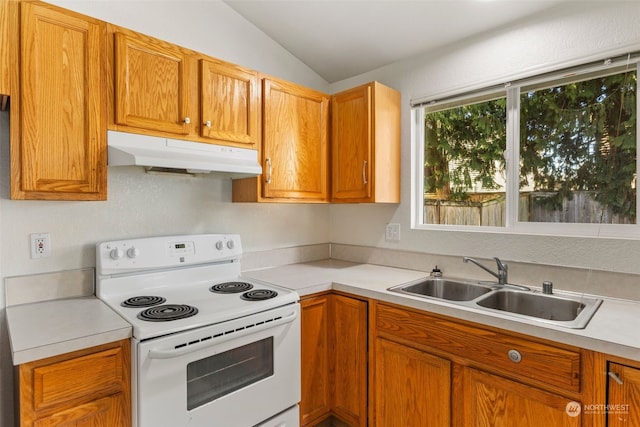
{"x":501,"y":265}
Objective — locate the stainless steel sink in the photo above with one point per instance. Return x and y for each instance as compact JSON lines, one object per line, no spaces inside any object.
{"x":558,"y":309}
{"x":572,"y":312}
{"x":447,"y":289}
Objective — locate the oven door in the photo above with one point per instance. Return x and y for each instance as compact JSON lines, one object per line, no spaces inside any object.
{"x":234,"y":374}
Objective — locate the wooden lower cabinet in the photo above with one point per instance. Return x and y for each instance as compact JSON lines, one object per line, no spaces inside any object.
{"x":431,"y":370}
{"x":623,"y":395}
{"x":88,"y":388}
{"x":372,"y":363}
{"x":315,"y":341}
{"x":409,"y":387}
{"x":489,"y":400}
{"x":334,"y":360}
{"x":349,"y":360}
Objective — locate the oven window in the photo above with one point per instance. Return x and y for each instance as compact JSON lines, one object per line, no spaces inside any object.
{"x":216,"y":376}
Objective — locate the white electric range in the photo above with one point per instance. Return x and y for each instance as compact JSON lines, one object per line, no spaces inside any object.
{"x":207,"y":342}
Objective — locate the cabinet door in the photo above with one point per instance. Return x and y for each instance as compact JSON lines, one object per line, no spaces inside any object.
{"x":623,"y":396}
{"x":102,"y":412}
{"x":489,"y":400}
{"x":409,"y":387}
{"x":349,"y":359}
{"x":295,"y":131}
{"x":60,"y":149}
{"x":7,"y":23}
{"x":151,"y":84}
{"x":229,"y":102}
{"x":351,"y":144}
{"x":315,"y":338}
{"x":85,"y":388}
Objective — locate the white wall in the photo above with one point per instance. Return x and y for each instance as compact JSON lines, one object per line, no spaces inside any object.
{"x":566,"y":34}
{"x":142,"y":204}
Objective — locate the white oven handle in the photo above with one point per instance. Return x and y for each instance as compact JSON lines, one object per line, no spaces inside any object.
{"x":168,"y":354}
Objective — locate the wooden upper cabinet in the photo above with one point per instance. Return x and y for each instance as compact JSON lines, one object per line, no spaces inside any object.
{"x":294,"y":150}
{"x":295,"y":143}
{"x":8,"y":22}
{"x":58,"y":120}
{"x":366,"y":145}
{"x":151,"y":84}
{"x":229,"y":102}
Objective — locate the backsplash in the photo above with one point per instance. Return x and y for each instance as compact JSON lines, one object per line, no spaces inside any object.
{"x":49,"y":286}
{"x":594,"y":282}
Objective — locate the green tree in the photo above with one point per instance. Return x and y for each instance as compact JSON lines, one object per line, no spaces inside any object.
{"x":473,"y":137}
{"x":582,"y":137}
{"x":579,"y":136}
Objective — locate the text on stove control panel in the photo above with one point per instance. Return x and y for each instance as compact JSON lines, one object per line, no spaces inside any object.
{"x":165,"y":252}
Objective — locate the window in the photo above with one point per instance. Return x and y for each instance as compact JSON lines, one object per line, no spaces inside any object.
{"x":552,"y":154}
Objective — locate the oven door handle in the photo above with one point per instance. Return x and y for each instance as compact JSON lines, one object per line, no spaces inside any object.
{"x":237,"y":333}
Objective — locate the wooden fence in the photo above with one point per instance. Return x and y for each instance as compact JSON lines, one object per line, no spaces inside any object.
{"x":582,"y":208}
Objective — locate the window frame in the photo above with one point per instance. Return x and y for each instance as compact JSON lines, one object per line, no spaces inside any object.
{"x":512,"y":155}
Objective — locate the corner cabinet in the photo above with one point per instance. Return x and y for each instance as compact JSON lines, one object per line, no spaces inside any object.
{"x":58,"y":118}
{"x":89,"y":388}
{"x":294,"y":152}
{"x":365,"y":145}
{"x":334,"y":360}
{"x":315,"y":403}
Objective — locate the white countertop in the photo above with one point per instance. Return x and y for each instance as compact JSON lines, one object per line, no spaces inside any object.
{"x":49,"y":328}
{"x":614,"y":329}
{"x":44,"y":329}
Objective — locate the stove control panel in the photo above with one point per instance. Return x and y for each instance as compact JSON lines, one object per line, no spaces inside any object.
{"x":150,"y":253}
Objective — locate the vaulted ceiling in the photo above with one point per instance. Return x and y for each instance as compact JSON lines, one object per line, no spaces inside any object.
{"x":339,"y":39}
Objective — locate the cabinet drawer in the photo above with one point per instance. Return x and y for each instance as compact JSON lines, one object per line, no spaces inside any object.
{"x":84,"y":377}
{"x":541,"y":362}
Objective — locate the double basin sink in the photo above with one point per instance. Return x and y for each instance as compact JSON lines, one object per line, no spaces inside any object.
{"x":513,"y":300}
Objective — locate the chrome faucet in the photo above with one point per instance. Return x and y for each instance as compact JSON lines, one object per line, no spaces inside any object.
{"x":501,"y":275}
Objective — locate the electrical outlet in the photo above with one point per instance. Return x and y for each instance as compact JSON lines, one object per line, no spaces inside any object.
{"x":40,"y":245}
{"x":392,"y":233}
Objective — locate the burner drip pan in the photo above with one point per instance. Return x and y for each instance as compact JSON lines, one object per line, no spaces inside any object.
{"x":231,"y":287}
{"x":167,"y":312}
{"x":259,"y":295}
{"x":143,"y":301}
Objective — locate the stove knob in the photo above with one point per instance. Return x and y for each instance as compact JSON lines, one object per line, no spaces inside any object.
{"x":133,"y":252}
{"x":116,"y":253}
{"x":230,"y":244}
{"x":219,"y":245}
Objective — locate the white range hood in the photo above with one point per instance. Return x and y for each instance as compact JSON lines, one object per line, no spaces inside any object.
{"x":151,"y":152}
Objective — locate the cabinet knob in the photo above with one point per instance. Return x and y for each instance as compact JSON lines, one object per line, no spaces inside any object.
{"x":515,"y":356}
{"x":208,"y":124}
{"x":187,"y":120}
